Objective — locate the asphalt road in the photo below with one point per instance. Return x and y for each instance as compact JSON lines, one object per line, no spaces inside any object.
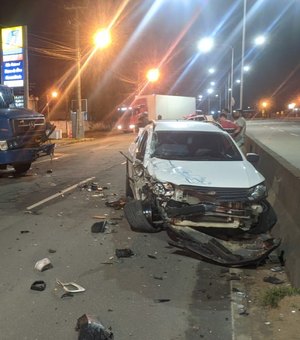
{"x":282,"y":137}
{"x":157,"y":294}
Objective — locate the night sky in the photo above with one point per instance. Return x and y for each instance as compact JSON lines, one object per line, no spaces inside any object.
{"x":162,"y":32}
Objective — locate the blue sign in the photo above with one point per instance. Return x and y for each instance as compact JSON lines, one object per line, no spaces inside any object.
{"x":13,"y":73}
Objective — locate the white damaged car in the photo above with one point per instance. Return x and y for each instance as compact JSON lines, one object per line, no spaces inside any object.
{"x":191,"y":179}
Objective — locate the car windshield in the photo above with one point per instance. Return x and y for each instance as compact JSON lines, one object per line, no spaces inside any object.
{"x":194,"y":146}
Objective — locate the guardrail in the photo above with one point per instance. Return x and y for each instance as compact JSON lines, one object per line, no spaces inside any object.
{"x":283,"y":181}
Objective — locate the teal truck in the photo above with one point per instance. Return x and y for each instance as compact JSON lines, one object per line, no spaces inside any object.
{"x":24,"y":134}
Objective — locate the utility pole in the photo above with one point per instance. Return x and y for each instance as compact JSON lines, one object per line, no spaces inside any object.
{"x":79,"y":131}
{"x":243,"y":55}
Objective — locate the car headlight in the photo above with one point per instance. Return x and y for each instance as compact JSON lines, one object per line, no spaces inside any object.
{"x":258,"y":192}
{"x":119,"y":127}
{"x":131,"y":126}
{"x":163,"y":189}
{"x":3,"y":145}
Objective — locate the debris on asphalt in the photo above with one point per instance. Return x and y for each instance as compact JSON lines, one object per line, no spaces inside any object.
{"x":90,"y":328}
{"x":51,"y":251}
{"x":242,"y":310}
{"x":157,"y":277}
{"x":273,"y":279}
{"x":161,"y":300}
{"x":100,"y":217}
{"x":117,"y":205}
{"x":38,"y":285}
{"x":24,"y":231}
{"x":99,"y":227}
{"x":126,"y":252}
{"x":70,"y":287}
{"x":43,"y":264}
{"x":277,"y":269}
{"x":49,"y":171}
{"x":152,"y":256}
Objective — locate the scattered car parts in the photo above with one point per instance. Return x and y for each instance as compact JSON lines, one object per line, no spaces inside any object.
{"x":90,"y":328}
{"x":70,"y":287}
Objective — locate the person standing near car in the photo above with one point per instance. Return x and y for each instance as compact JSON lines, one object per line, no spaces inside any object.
{"x":227,"y":124}
{"x":240,"y":131}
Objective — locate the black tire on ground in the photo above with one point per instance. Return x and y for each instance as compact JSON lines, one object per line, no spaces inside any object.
{"x":267,"y":220}
{"x":138,"y":222}
{"x":128,"y":190}
{"x":21,"y":168}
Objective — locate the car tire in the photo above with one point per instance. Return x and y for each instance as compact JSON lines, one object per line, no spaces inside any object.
{"x":135,"y":216}
{"x":21,"y":168}
{"x":128,"y":190}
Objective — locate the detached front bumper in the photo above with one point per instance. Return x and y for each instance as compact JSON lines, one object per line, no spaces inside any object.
{"x":25,"y":155}
{"x":248,"y":250}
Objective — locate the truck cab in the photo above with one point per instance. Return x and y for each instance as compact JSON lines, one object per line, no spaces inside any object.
{"x":23,"y":134}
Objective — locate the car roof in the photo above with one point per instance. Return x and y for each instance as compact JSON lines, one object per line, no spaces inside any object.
{"x":186,"y":125}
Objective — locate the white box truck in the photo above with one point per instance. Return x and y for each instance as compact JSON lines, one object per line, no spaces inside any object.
{"x":167,"y":107}
{"x":145,"y":108}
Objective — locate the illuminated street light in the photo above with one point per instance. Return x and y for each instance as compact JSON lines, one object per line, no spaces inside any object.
{"x":259,"y":40}
{"x":205,"y":45}
{"x":211,"y":70}
{"x":291,"y":106}
{"x":153,"y":75}
{"x":212,"y":83}
{"x":102,"y":38}
{"x":54,"y":94}
{"x":247,"y":68}
{"x":238,"y":81}
{"x":264,"y":104}
{"x":210,"y":91}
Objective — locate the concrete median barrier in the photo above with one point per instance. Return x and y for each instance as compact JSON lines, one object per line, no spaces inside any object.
{"x":283,"y":181}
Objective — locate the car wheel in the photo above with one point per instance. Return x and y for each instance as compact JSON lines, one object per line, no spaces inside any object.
{"x":128,"y":190}
{"x":21,"y":168}
{"x":134,"y":213}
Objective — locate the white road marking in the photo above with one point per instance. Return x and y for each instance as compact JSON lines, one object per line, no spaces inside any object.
{"x":59,"y":193}
{"x":294,"y":134}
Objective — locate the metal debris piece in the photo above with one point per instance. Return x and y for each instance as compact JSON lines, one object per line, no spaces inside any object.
{"x":43,"y":264}
{"x":277,"y":269}
{"x":94,"y":186}
{"x":70,"y":287}
{"x":235,"y":253}
{"x":126,"y":252}
{"x":117,"y":205}
{"x":152,"y":256}
{"x":51,"y":251}
{"x":161,"y":300}
{"x":90,"y":328}
{"x":99,"y":227}
{"x":24,"y":231}
{"x":273,"y":279}
{"x":100,"y":217}
{"x":38,"y":285}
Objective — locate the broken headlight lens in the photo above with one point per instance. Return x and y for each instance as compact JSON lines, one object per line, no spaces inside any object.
{"x":163,"y":189}
{"x":3,"y":145}
{"x":258,"y":192}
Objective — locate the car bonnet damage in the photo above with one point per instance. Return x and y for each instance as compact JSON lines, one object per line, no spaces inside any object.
{"x":215,"y":205}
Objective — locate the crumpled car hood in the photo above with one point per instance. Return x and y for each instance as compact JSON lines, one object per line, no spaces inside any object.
{"x":234,"y":174}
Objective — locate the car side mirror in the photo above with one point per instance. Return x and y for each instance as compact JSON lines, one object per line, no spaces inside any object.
{"x":252,"y":157}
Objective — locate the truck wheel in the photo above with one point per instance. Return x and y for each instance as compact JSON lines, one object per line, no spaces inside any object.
{"x":128,"y":190}
{"x":136,"y":218}
{"x":21,"y":168}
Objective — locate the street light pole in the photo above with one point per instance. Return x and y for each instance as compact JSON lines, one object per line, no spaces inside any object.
{"x":231,"y":80}
{"x":243,"y":55}
{"x":79,"y":116}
